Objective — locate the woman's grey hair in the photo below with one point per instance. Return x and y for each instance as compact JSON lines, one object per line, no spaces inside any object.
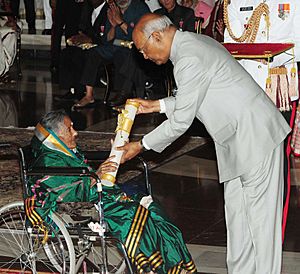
{"x":159,"y":24}
{"x":54,"y":120}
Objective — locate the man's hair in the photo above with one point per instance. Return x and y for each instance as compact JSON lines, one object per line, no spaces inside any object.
{"x":158,"y":24}
{"x":54,"y":120}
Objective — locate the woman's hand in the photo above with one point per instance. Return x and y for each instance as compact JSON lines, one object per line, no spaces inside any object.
{"x":105,"y":167}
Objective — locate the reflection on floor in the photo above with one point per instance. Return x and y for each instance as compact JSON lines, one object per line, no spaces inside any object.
{"x":187,"y":187}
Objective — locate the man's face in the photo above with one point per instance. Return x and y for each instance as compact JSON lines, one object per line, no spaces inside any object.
{"x":151,"y":48}
{"x":68,"y":134}
{"x":168,"y":4}
{"x":123,"y":4}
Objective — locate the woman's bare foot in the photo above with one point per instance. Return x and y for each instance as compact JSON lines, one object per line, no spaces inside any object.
{"x":85,"y":102}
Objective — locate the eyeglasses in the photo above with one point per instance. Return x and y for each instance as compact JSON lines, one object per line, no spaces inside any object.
{"x":141,"y":49}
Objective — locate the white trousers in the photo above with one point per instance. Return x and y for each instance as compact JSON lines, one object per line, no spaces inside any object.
{"x":253,"y":212}
{"x":8,"y":49}
{"x":48,"y":14}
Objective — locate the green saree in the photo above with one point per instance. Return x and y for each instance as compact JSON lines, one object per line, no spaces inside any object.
{"x":153,"y":243}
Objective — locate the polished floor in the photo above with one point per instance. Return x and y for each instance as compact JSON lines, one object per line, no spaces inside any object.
{"x":187,"y":186}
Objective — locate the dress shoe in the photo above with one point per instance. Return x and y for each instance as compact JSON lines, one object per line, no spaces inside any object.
{"x":118,"y":100}
{"x":31,"y":31}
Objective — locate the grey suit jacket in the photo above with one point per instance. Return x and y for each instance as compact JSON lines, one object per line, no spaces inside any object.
{"x":212,"y":86}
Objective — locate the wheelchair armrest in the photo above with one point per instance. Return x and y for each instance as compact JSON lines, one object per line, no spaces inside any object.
{"x":60,"y":171}
{"x":103,"y":155}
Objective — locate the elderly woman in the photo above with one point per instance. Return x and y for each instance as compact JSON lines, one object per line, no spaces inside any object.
{"x":153,"y":243}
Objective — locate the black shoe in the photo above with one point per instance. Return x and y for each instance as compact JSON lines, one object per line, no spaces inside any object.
{"x":118,"y":100}
{"x":69,"y":96}
{"x":46,"y":32}
{"x":31,"y":31}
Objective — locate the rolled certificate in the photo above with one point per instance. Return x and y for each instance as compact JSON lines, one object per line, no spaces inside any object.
{"x":125,"y":122}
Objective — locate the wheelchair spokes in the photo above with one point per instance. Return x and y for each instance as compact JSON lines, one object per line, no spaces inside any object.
{"x":22,"y":248}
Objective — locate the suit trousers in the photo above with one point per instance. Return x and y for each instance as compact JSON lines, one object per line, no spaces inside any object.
{"x":66,"y":20}
{"x":93,"y":59}
{"x":29,"y":10}
{"x":253,"y":212}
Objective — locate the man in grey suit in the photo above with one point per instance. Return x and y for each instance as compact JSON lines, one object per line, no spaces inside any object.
{"x":247,"y":129}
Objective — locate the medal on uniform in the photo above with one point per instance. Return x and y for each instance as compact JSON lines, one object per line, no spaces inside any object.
{"x":101,"y":30}
{"x":283,"y":11}
{"x":181,"y":25}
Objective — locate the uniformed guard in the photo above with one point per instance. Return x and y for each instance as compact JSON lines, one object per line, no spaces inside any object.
{"x":256,"y":21}
{"x":270,"y":21}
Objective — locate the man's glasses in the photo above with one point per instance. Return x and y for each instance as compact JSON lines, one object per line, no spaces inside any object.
{"x":141,"y":49}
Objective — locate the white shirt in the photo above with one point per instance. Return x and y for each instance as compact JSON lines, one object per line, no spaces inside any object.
{"x":96,"y":12}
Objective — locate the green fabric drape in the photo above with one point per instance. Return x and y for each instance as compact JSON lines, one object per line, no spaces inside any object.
{"x":152,"y":241}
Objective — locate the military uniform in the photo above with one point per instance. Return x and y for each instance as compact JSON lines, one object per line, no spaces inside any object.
{"x":284,"y":21}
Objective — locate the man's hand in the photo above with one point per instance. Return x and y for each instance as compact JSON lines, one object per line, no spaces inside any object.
{"x":111,"y":18}
{"x":116,"y":13}
{"x":130,"y":151}
{"x":147,"y":106}
{"x":11,"y":23}
{"x":80,"y":39}
{"x":220,"y":27}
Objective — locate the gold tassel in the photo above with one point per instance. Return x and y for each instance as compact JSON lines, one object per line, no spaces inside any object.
{"x":293,"y":83}
{"x":268,"y":24}
{"x":269,"y":87}
{"x":285,"y":104}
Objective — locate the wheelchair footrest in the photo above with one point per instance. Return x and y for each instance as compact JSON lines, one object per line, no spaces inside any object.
{"x":79,"y":212}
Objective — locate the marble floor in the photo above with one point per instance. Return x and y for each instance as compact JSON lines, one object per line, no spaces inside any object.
{"x":186,"y":186}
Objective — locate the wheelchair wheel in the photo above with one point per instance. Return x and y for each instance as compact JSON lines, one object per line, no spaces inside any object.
{"x":93,"y":261}
{"x":22,"y":249}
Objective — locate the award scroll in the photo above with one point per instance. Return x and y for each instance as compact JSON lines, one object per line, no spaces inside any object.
{"x":125,"y":122}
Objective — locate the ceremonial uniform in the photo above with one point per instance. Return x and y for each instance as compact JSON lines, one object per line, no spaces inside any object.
{"x":278,"y":76}
{"x":158,"y":246}
{"x":248,"y":132}
{"x":284,"y":21}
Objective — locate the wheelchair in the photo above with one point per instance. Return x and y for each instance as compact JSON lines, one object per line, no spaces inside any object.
{"x":66,"y":244}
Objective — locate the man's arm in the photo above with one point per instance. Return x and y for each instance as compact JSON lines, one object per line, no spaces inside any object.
{"x":192,"y":88}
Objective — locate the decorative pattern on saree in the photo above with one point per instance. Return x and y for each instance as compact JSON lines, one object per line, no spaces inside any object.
{"x":136,"y":230}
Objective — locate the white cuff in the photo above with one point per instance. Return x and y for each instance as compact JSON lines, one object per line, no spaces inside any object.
{"x":145,"y":144}
{"x":162,"y":106}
